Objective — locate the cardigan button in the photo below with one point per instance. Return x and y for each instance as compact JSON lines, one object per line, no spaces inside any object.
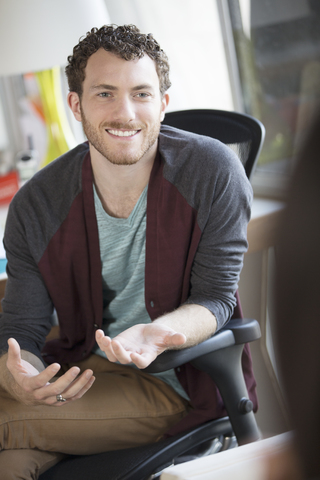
{"x":96,"y":325}
{"x":152,"y":303}
{"x":84,"y":353}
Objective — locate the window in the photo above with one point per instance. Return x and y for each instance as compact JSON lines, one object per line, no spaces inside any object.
{"x":277,"y":45}
{"x":257,"y":56}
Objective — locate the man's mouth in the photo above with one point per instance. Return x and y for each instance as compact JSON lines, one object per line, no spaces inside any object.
{"x":123,"y":133}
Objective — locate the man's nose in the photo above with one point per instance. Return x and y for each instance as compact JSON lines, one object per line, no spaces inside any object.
{"x":124,"y":110}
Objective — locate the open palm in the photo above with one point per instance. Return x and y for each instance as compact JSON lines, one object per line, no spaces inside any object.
{"x":139,"y":344}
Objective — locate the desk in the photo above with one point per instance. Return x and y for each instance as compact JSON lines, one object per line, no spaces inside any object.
{"x":243,"y":463}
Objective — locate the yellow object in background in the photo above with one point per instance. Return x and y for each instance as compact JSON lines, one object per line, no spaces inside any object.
{"x":60,"y":136}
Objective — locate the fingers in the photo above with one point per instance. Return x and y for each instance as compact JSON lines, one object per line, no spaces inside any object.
{"x":81,"y":392}
{"x":113,"y":349}
{"x":103,"y":341}
{"x":14,"y":354}
{"x":70,"y":387}
{"x":122,"y":355}
{"x":99,"y":335}
{"x":139,"y":344}
{"x":76,"y":390}
{"x":106,"y":346}
{"x":24,"y":373}
{"x":42,"y":380}
{"x":142,"y":361}
{"x":34,"y":388}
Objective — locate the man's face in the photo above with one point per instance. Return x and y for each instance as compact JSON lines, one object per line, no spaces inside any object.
{"x":121,"y":107}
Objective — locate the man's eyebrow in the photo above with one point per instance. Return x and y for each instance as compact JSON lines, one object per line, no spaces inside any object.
{"x":144,"y":86}
{"x":103,"y":86}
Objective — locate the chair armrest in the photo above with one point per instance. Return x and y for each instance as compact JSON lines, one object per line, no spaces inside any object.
{"x":244,"y":330}
{"x":236,"y":332}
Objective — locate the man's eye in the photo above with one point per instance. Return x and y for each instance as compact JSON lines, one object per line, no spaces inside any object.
{"x":104,"y":94}
{"x":142,"y":95}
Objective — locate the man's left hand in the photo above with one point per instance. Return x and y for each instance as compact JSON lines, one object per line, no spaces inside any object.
{"x":140,"y":344}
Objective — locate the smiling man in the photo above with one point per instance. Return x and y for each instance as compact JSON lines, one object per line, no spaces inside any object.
{"x":136,"y":239}
{"x":120,"y":113}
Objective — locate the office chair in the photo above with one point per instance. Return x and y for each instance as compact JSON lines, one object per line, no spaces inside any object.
{"x":219,"y":356}
{"x":241,"y":132}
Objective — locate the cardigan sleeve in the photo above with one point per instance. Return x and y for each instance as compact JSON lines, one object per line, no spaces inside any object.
{"x":35,"y":215}
{"x":223,"y":221}
{"x":27,"y":307}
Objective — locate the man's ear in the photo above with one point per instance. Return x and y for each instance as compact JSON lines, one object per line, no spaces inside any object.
{"x":74,"y":103}
{"x":164,"y":104}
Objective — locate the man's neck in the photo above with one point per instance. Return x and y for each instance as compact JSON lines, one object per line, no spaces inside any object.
{"x":120,"y":186}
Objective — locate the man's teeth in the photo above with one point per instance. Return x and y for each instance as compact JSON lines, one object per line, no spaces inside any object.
{"x":123,"y":133}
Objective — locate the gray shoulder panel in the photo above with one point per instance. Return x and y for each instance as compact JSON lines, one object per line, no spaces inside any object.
{"x":202,"y":169}
{"x":48,"y":195}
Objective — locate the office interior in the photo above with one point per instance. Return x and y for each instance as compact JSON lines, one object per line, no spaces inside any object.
{"x":260,"y":57}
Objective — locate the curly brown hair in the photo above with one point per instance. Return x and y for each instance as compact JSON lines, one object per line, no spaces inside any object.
{"x":124,"y":41}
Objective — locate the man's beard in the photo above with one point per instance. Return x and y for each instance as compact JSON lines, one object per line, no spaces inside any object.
{"x":95,"y":138}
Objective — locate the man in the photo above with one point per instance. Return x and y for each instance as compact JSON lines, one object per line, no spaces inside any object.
{"x":136,"y":238}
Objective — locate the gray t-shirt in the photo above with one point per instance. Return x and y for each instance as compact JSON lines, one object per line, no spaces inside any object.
{"x":122,"y":250}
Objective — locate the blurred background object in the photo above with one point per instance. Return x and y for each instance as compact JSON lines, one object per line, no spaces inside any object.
{"x":297,"y":303}
{"x":37,"y":36}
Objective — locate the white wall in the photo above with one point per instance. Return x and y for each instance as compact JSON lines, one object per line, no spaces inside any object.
{"x":190,"y":34}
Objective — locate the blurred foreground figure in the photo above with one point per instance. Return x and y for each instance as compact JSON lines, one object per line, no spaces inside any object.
{"x":297,"y":294}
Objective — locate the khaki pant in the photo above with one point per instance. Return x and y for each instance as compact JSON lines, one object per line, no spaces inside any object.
{"x":124,"y":408}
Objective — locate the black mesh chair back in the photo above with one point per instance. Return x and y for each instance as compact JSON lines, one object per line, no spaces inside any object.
{"x":242,"y":133}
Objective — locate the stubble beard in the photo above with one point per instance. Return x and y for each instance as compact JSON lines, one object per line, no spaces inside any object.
{"x":95,"y":138}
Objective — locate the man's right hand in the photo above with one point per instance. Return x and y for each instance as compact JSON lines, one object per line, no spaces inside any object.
{"x":31,"y":387}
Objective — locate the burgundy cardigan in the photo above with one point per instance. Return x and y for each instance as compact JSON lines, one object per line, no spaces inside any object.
{"x":53,"y":253}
